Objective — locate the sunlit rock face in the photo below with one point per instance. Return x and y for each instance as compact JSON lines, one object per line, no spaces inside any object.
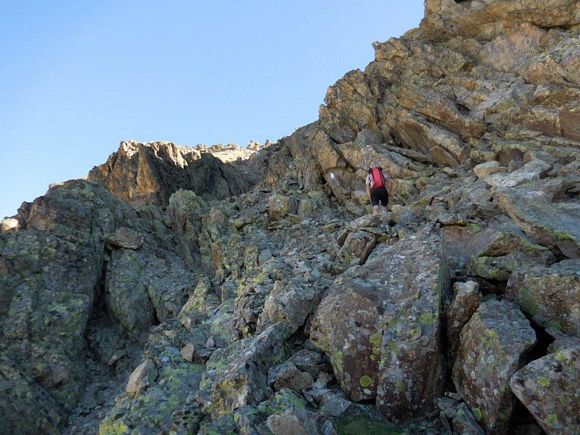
{"x":149,"y":173}
{"x":185,"y":290}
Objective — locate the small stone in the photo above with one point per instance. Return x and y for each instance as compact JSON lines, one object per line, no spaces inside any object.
{"x":287,"y":375}
{"x":170,"y":333}
{"x":187,"y":352}
{"x":307,"y":360}
{"x":116,"y":357}
{"x":360,"y":197}
{"x":264,"y":256}
{"x":464,"y":422}
{"x":334,"y":405}
{"x":188,"y":322}
{"x":328,"y":428}
{"x":143,"y":375}
{"x":449,"y":171}
{"x":292,"y":421}
{"x":485,"y":169}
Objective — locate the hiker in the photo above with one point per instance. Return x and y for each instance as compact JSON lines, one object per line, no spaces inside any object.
{"x":377,"y":189}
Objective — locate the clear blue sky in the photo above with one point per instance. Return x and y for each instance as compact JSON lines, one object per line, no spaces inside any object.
{"x":77,"y":77}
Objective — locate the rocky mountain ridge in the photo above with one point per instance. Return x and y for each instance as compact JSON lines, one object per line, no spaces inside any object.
{"x":172,"y":292}
{"x":149,"y":173}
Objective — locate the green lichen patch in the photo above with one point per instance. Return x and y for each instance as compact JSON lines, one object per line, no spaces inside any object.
{"x":366,"y":381}
{"x":428,"y":318}
{"x":561,"y":357}
{"x":113,"y":428}
{"x":553,"y":325}
{"x":400,"y":385}
{"x":527,"y":301}
{"x":551,"y":420}
{"x":562,"y":235}
{"x":490,"y":338}
{"x":376,"y":340}
{"x":477,"y":414}
{"x":260,"y":278}
{"x":337,"y":361}
{"x":285,"y":399}
{"x":544,"y":382}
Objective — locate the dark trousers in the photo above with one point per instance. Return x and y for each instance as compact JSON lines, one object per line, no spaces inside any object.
{"x":379,"y":195}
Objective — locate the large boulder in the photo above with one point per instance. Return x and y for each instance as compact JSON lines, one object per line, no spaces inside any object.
{"x":548,"y":222}
{"x":493,"y":344}
{"x":357,"y":247}
{"x":348,"y":107}
{"x":492,"y":252}
{"x":533,"y":170}
{"x":241,"y":376}
{"x":548,"y":387}
{"x":441,"y":145}
{"x":280,"y":205}
{"x":184,"y":213}
{"x":387,"y":347}
{"x":142,"y":289}
{"x":292,"y":302}
{"x":500,"y":249}
{"x":551,"y":295}
{"x":466,"y":300}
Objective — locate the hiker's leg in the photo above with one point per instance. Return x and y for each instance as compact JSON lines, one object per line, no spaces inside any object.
{"x":375,"y":200}
{"x":385,"y":199}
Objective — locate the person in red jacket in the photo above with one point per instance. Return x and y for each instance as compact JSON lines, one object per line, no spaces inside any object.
{"x":377,"y":188}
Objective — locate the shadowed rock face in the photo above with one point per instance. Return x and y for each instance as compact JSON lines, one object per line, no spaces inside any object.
{"x":79,"y":252}
{"x":265,"y":295}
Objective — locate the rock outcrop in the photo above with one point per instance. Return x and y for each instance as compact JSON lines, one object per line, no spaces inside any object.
{"x":79,"y":252}
{"x":149,"y":173}
{"x":180,"y":290}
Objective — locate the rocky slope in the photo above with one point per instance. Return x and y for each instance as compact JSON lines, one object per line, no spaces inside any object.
{"x":172,"y":292}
